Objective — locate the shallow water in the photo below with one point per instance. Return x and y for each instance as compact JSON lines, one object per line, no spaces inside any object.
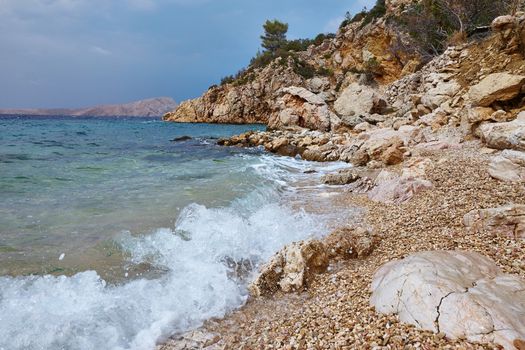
{"x":129,"y":237}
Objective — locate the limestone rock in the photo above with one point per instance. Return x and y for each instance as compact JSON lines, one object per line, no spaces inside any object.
{"x":435,"y":96}
{"x":351,"y":243}
{"x":496,"y":87}
{"x":462,"y":294}
{"x":508,"y":166}
{"x":506,"y":135}
{"x":507,"y":221}
{"x":359,"y":100}
{"x":291,"y":269}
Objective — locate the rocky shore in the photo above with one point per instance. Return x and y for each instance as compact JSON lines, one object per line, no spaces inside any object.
{"x":437,"y":162}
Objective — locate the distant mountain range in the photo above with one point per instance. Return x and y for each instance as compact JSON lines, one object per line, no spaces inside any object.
{"x":153,"y":107}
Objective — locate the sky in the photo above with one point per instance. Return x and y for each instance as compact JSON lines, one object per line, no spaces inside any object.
{"x":78,"y":53}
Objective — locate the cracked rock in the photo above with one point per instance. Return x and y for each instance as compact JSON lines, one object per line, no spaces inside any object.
{"x":462,"y":294}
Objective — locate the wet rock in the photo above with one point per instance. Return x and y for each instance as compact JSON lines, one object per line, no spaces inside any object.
{"x":291,"y":269}
{"x":343,"y":177}
{"x":507,"y":221}
{"x":198,"y":339}
{"x":496,"y":87}
{"x":462,"y":294}
{"x":508,"y":166}
{"x":181,"y":139}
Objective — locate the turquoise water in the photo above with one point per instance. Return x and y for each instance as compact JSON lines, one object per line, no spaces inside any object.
{"x":115,"y":236}
{"x":69,"y":184}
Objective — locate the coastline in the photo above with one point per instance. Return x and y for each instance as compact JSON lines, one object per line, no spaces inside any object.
{"x":335,"y":312}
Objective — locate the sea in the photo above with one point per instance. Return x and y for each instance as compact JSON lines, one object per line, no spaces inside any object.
{"x":117,"y":233}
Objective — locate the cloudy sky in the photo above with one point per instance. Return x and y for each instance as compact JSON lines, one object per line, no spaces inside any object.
{"x":75,"y":53}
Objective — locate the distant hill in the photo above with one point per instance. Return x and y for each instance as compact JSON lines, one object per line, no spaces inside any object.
{"x":153,"y":107}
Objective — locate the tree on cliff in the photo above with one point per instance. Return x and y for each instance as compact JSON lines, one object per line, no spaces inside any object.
{"x":274,"y":35}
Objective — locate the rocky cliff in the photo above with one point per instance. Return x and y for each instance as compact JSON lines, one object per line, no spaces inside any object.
{"x":376,"y":53}
{"x":153,"y":107}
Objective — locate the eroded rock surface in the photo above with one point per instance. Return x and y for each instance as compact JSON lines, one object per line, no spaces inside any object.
{"x":462,"y":294}
{"x":291,"y":268}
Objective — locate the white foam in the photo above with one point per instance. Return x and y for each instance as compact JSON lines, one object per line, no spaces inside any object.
{"x":82,"y":312}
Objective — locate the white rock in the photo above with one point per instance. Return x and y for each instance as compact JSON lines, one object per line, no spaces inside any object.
{"x":359,"y":100}
{"x":462,"y":294}
{"x":508,"y":166}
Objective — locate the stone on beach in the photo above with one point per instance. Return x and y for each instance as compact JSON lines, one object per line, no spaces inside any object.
{"x":291,"y":268}
{"x":506,"y":135}
{"x":507,"y":221}
{"x":508,"y":166}
{"x":462,"y":294}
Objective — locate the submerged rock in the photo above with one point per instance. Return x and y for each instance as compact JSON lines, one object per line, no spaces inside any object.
{"x":462,"y":294}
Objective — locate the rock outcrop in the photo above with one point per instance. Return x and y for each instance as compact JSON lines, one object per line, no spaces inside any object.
{"x":507,"y":221}
{"x":302,"y":108}
{"x":462,"y":294}
{"x":250,"y":102}
{"x":359,"y":100}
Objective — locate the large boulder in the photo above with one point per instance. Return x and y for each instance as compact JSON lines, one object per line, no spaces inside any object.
{"x":507,"y":221}
{"x":496,"y":87}
{"x":506,"y":135}
{"x":508,"y":166}
{"x":360,"y":100}
{"x":462,"y":294}
{"x":302,"y":108}
{"x":291,"y":269}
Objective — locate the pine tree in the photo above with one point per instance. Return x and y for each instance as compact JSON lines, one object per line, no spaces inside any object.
{"x":274,"y":35}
